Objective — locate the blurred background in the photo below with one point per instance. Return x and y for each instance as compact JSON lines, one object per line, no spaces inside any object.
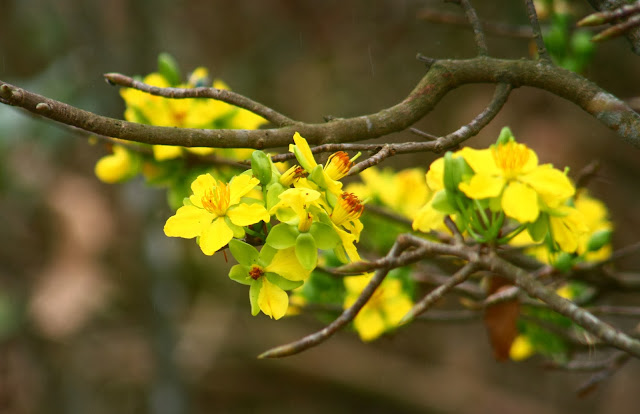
{"x":101,"y":313}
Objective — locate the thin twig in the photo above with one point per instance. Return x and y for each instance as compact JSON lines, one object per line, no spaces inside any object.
{"x":347,"y":316}
{"x":385,"y":152}
{"x":453,"y":228}
{"x":423,"y":134}
{"x":448,"y":316}
{"x":537,"y":33}
{"x":436,"y":294}
{"x":478,"y":33}
{"x":617,"y":361}
{"x":609,"y":16}
{"x":493,"y":28}
{"x":617,"y":30}
{"x":202,"y":92}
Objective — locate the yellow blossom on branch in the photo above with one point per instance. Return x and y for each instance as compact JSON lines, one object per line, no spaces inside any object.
{"x":215,"y":212}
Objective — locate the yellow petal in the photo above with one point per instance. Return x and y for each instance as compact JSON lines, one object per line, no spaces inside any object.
{"x":304,"y":148}
{"x":199,"y":186}
{"x":521,"y":348}
{"x":553,"y":185}
{"x":480,"y":161}
{"x":427,"y":219}
{"x":435,"y":175}
{"x":520,"y":202}
{"x":568,"y":229}
{"x":246,"y":214}
{"x":286,"y":264}
{"x":239,"y":186}
{"x":369,"y":324}
{"x":115,"y":167}
{"x":215,"y":236}
{"x":483,"y":186}
{"x":166,"y":152}
{"x":272,"y":300}
{"x":188,"y":222}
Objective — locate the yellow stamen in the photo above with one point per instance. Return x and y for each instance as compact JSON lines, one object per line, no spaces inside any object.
{"x":216,"y":199}
{"x":348,"y":208}
{"x":510,"y":157}
{"x":338,"y":165}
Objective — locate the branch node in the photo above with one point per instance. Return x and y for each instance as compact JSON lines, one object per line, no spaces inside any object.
{"x":43,"y":108}
{"x":5,"y":91}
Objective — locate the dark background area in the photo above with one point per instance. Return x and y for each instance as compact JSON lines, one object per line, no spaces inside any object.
{"x":101,"y":313}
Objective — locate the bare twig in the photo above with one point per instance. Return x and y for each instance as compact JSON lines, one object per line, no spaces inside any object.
{"x":448,"y":316}
{"x":537,"y":33}
{"x":616,"y":362}
{"x":347,"y":316}
{"x":385,"y":152}
{"x":609,"y":16}
{"x":203,"y":92}
{"x":494,"y":28}
{"x":632,"y":34}
{"x":617,"y":30}
{"x":478,"y":33}
{"x":435,"y":295}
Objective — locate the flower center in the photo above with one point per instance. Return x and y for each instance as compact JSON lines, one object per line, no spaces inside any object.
{"x":348,"y":208}
{"x":292,"y":175}
{"x":338,"y":165}
{"x":216,"y":199}
{"x":510,"y":157}
{"x":255,"y":272}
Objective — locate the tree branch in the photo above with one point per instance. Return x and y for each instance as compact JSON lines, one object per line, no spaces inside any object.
{"x":443,"y":76}
{"x":211,"y":93}
{"x":347,"y":316}
{"x":633,"y":35}
{"x":537,"y":33}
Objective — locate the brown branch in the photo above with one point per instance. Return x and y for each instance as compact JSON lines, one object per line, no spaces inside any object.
{"x":448,"y":316}
{"x":443,"y":76}
{"x":617,"y":30}
{"x":537,"y":33}
{"x":494,"y":28}
{"x":202,"y":92}
{"x":633,"y":34}
{"x":436,"y":294}
{"x":609,"y":16}
{"x":616,"y":362}
{"x":347,"y":316}
{"x":478,"y":33}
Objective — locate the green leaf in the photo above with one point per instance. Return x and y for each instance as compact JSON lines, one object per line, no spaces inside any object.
{"x":168,"y":68}
{"x":244,"y":253}
{"x":282,"y":236}
{"x":261,"y":167}
{"x":282,"y":283}
{"x":254,"y":292}
{"x":273,"y":194}
{"x":325,"y":236}
{"x":598,"y":240}
{"x":306,"y":251}
{"x":240,"y":274}
{"x":266,"y":255}
{"x":539,"y":228}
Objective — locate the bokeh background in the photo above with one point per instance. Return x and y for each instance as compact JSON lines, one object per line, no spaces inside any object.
{"x":101,"y":313}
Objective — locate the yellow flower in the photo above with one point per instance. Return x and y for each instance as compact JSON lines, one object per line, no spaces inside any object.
{"x":185,"y":113}
{"x":345,"y":219}
{"x":511,"y":171}
{"x":595,"y":217}
{"x":211,"y":205}
{"x":568,"y":227}
{"x":521,"y":348}
{"x":337,"y":166}
{"x":119,"y":166}
{"x":404,"y":191}
{"x":383,"y":311}
{"x":294,"y":206}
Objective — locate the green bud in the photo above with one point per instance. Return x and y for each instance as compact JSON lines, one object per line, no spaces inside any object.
{"x":168,"y":68}
{"x":505,"y":136}
{"x":598,"y":240}
{"x":261,"y":167}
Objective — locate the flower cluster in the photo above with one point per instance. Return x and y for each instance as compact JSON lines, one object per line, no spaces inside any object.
{"x":162,"y":164}
{"x":495,"y":194}
{"x":310,"y":209}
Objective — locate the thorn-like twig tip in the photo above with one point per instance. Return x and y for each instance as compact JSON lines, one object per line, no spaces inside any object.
{"x":5,"y":91}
